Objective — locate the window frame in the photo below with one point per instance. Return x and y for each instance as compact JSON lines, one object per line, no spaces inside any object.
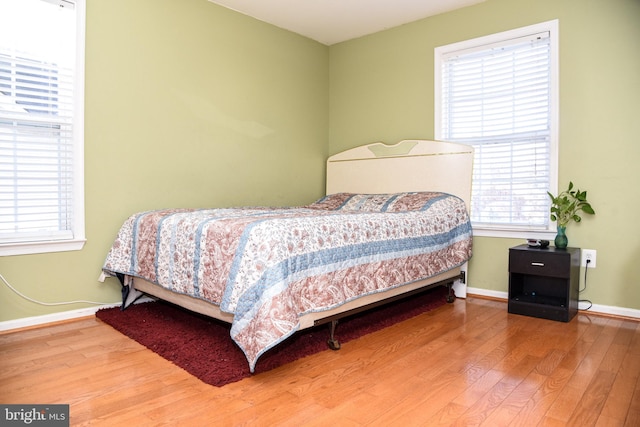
{"x":440,"y":52}
{"x":79,"y":238}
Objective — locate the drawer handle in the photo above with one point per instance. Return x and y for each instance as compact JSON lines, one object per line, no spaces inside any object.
{"x":538,"y":264}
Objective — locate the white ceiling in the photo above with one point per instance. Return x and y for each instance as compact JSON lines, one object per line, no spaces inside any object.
{"x":334,"y":21}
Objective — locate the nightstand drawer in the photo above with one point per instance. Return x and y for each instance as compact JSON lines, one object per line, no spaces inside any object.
{"x":539,"y":263}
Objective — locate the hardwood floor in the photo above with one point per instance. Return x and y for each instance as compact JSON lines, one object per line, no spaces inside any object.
{"x":467,"y":363}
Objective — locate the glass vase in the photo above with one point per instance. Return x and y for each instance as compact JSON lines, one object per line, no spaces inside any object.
{"x":561,"y":241}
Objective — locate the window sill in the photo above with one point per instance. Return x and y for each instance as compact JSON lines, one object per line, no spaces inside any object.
{"x":514,"y":234}
{"x":41,"y":247}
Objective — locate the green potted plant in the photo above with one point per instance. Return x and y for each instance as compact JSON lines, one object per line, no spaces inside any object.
{"x":565,"y":207}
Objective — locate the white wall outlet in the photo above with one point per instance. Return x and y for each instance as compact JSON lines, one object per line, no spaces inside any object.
{"x":590,"y":255}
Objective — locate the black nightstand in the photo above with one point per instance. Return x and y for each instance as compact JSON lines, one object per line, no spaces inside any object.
{"x":544,"y":282}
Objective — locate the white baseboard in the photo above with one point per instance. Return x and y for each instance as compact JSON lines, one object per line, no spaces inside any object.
{"x":596,"y":308}
{"x":28,"y":322}
{"x":487,"y":293}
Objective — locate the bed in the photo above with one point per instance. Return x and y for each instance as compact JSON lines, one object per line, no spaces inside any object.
{"x":394,"y":222}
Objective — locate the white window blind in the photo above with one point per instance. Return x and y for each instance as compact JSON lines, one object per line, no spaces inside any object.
{"x":40,"y":134}
{"x":498,"y":97}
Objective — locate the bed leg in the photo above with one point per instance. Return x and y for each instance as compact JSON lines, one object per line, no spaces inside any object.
{"x":129,"y":293}
{"x":333,"y":343}
{"x":451,"y":296}
{"x":125,"y":290}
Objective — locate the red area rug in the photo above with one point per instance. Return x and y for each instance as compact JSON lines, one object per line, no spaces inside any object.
{"x":202,"y":346}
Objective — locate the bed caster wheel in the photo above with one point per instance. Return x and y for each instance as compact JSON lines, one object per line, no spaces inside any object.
{"x":334,"y":344}
{"x":451,"y":298}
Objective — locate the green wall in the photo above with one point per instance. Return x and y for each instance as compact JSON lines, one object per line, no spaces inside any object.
{"x":190,"y":104}
{"x":382,"y":89}
{"x":187,"y":104}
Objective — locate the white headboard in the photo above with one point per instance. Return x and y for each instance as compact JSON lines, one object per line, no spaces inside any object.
{"x":409,"y":165}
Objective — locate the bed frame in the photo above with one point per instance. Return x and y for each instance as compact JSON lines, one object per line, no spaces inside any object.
{"x":410,"y":165}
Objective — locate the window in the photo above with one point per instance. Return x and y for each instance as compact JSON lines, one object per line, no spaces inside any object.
{"x":41,"y":126}
{"x":499,"y":94}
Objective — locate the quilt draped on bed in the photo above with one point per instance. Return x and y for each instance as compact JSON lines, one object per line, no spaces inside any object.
{"x":268,"y":266}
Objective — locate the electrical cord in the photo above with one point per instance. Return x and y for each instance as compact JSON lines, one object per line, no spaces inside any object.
{"x":586,"y":269}
{"x":49,"y":303}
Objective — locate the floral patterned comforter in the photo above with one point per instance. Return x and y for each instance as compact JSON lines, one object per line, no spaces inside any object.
{"x":268,"y":266}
